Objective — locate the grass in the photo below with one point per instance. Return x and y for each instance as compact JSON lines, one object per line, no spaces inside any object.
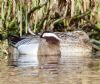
{"x":18,"y":16}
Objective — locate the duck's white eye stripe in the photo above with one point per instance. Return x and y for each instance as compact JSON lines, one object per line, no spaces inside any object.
{"x":50,"y":35}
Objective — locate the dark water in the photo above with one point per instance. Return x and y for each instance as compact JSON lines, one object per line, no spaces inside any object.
{"x":74,"y":68}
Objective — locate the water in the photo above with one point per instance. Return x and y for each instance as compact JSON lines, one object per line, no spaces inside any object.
{"x":70,"y":69}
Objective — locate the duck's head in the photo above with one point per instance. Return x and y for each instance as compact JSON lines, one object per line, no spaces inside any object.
{"x":49,"y":44}
{"x":49,"y":48}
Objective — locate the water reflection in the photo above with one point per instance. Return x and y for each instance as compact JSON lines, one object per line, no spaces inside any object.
{"x":75,"y":62}
{"x":27,"y":61}
{"x":69,"y":69}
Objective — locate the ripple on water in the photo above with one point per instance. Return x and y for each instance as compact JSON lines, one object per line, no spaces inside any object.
{"x":70,"y":69}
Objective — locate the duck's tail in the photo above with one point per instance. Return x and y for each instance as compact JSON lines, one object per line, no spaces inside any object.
{"x":12,"y":40}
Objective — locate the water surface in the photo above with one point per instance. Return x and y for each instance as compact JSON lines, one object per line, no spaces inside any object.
{"x":70,"y":69}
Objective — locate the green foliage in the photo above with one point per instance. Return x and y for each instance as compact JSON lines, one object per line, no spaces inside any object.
{"x":59,"y":15}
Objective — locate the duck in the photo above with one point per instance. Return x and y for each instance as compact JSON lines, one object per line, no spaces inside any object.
{"x":49,"y":49}
{"x":35,"y":47}
{"x":23,"y":50}
{"x":49,"y":44}
{"x":52,"y":45}
{"x":25,"y":44}
{"x":76,"y":41}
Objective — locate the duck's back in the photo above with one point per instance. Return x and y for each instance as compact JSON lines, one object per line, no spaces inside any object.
{"x":77,"y":41}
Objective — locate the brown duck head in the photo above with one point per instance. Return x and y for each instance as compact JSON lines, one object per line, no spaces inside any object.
{"x":49,"y":48}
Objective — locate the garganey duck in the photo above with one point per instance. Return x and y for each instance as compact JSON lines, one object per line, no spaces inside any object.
{"x":23,"y":51}
{"x":35,"y":46}
{"x":52,"y":45}
{"x":25,"y":44}
{"x":77,"y":41}
{"x":49,"y":49}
